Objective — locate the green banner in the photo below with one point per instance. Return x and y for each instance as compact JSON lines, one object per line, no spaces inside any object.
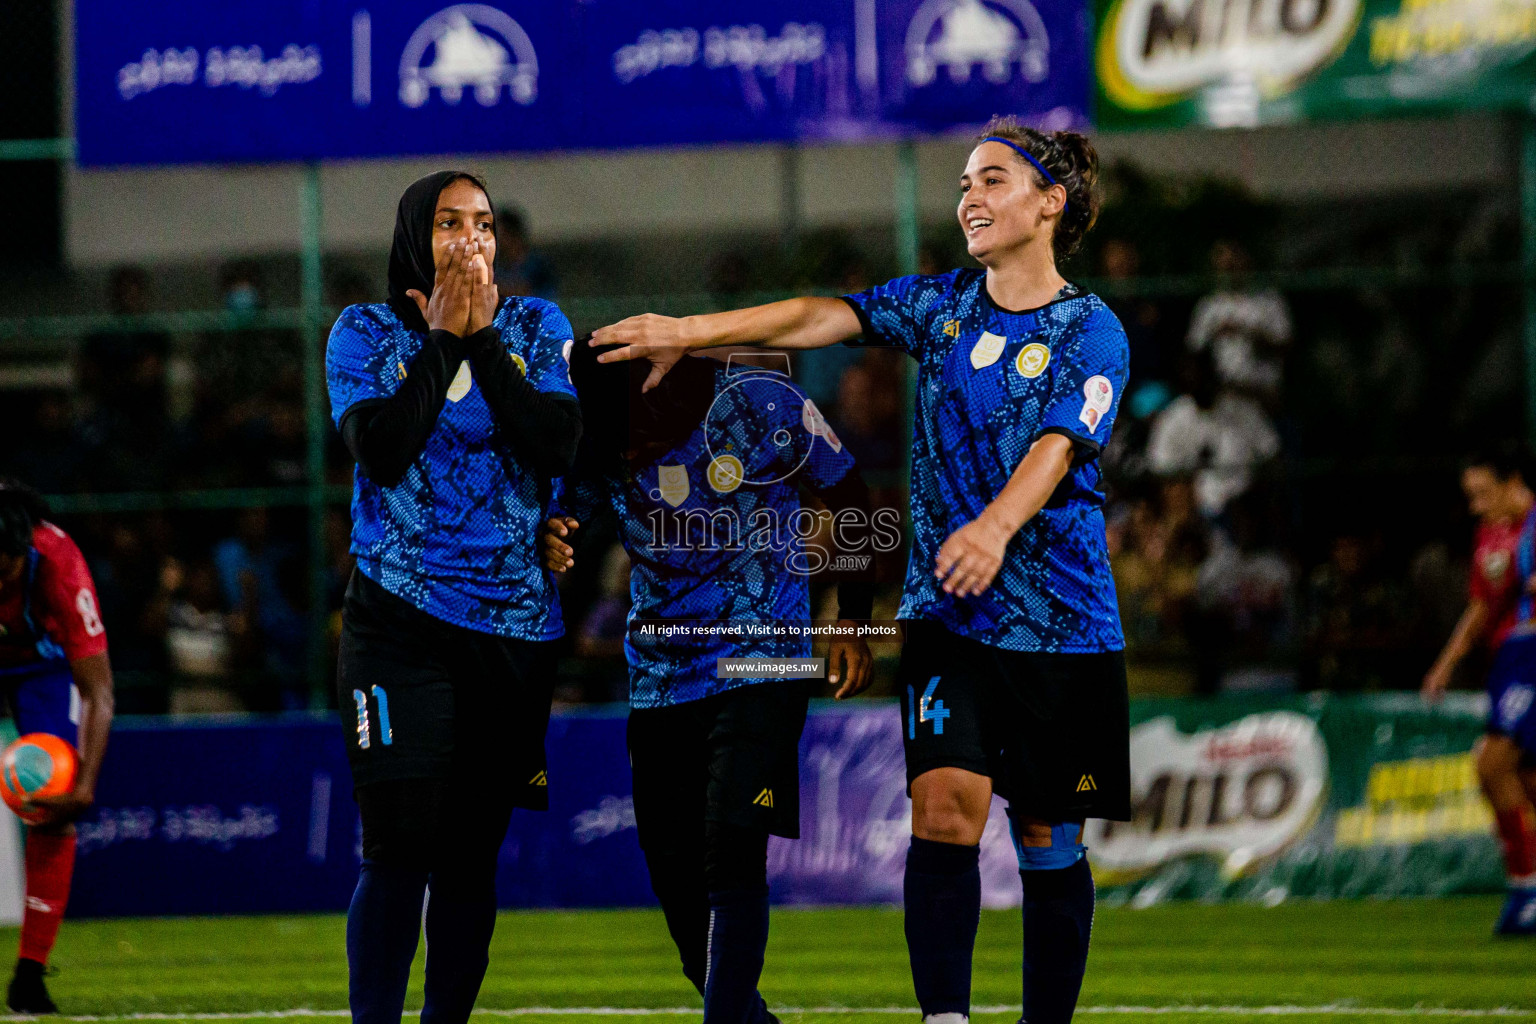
{"x":1240,"y":63}
{"x":1315,"y":796}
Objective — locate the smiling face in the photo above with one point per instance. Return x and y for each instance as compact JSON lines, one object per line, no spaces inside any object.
{"x":1002,"y":209}
{"x":463,"y":215}
{"x":1491,"y":499}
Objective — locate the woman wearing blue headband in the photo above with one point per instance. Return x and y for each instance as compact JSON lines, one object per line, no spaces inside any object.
{"x":1012,"y":676}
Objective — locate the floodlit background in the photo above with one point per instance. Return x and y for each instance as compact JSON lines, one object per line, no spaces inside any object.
{"x":1319,"y":237}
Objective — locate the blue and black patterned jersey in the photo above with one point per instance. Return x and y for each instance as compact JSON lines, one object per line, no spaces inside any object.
{"x":457,"y":537}
{"x":990,"y":383}
{"x":715,"y":533}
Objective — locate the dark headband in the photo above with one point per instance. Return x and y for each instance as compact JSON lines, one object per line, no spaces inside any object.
{"x":1027,"y":156}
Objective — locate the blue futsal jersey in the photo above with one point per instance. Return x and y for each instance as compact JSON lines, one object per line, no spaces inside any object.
{"x":457,"y":536}
{"x":990,"y":383}
{"x":714,"y":529}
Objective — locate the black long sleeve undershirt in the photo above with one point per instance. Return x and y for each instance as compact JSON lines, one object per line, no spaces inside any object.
{"x":385,"y":435}
{"x":541,"y":430}
{"x":855,"y":590}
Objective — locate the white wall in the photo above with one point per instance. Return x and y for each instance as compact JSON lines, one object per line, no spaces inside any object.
{"x":187,"y":213}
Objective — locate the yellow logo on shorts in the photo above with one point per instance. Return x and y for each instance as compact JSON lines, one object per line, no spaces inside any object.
{"x":541,"y":779}
{"x":1085,"y":784}
{"x":764,"y":799}
{"x":519,"y":362}
{"x":1032,"y":360}
{"x":725,"y":473}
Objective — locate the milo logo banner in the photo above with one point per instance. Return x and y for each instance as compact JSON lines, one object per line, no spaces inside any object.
{"x":1237,"y":63}
{"x":1324,"y":797}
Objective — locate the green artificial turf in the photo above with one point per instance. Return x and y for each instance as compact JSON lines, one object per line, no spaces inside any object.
{"x":1405,"y":955}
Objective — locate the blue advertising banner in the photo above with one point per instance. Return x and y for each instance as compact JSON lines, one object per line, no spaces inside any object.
{"x":1314,"y":797}
{"x":181,"y":81}
{"x":258,"y":817}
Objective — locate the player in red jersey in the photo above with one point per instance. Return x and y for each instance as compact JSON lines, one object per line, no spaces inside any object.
{"x":1500,"y":497}
{"x":55,"y":674}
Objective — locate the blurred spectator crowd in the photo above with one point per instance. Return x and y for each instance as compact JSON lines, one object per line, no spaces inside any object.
{"x":1262,"y":461}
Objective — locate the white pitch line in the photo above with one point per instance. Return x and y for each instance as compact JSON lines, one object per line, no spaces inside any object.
{"x":685,"y":1011}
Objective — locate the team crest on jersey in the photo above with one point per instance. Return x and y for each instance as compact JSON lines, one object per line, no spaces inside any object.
{"x":814,"y":422}
{"x":1098,"y":393}
{"x":987,"y":349}
{"x":1495,"y":565}
{"x":1032,"y":360}
{"x":520,"y":363}
{"x":461,"y":383}
{"x":725,"y":474}
{"x":672,"y":483}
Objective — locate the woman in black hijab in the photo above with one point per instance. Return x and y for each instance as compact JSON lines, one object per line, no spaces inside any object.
{"x":458,"y":407}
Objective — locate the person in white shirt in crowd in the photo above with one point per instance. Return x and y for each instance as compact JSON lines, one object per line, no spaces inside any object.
{"x":1215,"y":434}
{"x":1247,"y":331}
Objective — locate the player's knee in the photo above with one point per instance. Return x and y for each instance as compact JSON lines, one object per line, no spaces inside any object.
{"x":1496,"y":758}
{"x":734,"y":857}
{"x":945,"y":825}
{"x":944,"y":815}
{"x":950,"y":806}
{"x":1044,"y":846}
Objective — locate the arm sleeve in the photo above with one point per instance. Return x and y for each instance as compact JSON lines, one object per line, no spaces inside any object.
{"x":897,"y":313}
{"x":578,"y":494}
{"x":70,"y":596}
{"x":536,"y":413}
{"x":1089,"y":380}
{"x":385,"y":435}
{"x":1479,"y":586}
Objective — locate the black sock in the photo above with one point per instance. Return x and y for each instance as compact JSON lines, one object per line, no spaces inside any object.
{"x":461,"y":915}
{"x":738,"y":939}
{"x":1058,"y":919}
{"x":677,"y":879}
{"x":942,"y":893}
{"x":383,"y":926}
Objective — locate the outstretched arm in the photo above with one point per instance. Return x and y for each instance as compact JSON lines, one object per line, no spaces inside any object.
{"x":1469,"y":630}
{"x":791,"y":324}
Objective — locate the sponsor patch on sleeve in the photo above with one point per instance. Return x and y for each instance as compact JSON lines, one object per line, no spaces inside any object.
{"x":814,"y":422}
{"x":1098,"y":394}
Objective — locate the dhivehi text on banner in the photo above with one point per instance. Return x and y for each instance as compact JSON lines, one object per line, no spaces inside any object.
{"x":182,"y":81}
{"x":1238,"y":63}
{"x":1246,"y":799}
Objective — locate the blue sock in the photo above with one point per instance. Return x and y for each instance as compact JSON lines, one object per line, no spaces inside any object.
{"x":738,"y":938}
{"x":461,"y":915}
{"x":942,"y":893}
{"x":1058,"y":918}
{"x":383,"y":926}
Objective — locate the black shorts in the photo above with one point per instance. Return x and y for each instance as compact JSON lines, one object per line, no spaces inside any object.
{"x":1052,"y":731}
{"x":731,"y":758}
{"x":421,"y":698}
